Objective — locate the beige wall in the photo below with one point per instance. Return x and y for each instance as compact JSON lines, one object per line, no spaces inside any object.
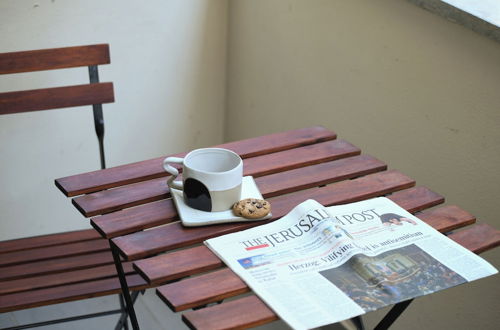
{"x":168,"y":68}
{"x":407,"y":86}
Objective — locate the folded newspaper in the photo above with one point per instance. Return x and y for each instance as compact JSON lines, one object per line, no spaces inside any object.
{"x":319,"y":265}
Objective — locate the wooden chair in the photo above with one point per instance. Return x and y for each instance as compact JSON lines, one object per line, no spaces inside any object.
{"x":49,"y":269}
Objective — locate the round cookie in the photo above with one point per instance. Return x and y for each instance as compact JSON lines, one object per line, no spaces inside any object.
{"x":252,"y":208}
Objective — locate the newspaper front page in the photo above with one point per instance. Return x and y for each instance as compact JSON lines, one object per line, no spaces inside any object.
{"x":319,"y":265}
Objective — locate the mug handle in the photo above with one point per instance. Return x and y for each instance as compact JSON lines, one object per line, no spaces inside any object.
{"x":172,"y":170}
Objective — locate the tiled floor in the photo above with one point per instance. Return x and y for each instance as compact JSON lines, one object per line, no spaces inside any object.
{"x":152,"y":313}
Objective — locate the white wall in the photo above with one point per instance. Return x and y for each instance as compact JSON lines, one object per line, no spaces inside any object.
{"x":405,"y":85}
{"x":168,"y":69}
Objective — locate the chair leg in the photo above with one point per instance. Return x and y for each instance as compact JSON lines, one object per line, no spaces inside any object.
{"x":124,"y":286}
{"x":122,"y":321}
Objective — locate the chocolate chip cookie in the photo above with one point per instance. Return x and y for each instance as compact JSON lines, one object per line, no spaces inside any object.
{"x":252,"y":208}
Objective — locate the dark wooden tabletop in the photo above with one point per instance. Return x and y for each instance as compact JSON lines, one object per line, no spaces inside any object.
{"x":289,"y":168}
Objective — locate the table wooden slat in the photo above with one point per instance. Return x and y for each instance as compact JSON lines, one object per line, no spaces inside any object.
{"x":156,"y":240}
{"x":178,"y":264}
{"x":166,"y":267}
{"x":477,"y":238}
{"x":289,"y":168}
{"x":241,"y":313}
{"x":114,"y":199}
{"x":316,"y":175}
{"x":205,"y":289}
{"x":416,"y":199}
{"x":228,"y":315}
{"x":202,"y":290}
{"x":135,"y":219}
{"x":447,"y":218}
{"x":150,"y":169}
{"x":154,"y":214}
{"x":299,"y":157}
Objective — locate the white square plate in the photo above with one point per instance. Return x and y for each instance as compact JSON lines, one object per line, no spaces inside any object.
{"x":192,"y":217}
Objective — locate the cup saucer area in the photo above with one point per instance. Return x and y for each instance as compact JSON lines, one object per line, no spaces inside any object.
{"x":192,"y":217}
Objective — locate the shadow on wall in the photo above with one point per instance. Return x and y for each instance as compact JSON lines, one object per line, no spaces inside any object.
{"x":403,"y":84}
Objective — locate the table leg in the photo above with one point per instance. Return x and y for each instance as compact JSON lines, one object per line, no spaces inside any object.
{"x":393,"y":314}
{"x":123,"y":283}
{"x":122,"y":322}
{"x":358,"y":322}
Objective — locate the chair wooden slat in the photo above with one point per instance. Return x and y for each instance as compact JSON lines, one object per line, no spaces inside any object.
{"x":250,"y":311}
{"x":47,"y":240}
{"x":143,"y":244}
{"x":56,"y":97}
{"x":63,"y":278}
{"x":65,"y":293}
{"x":150,"y":169}
{"x":56,"y":265}
{"x":269,"y":185}
{"x":51,"y":252}
{"x":153,"y":214}
{"x":54,"y":58}
{"x":241,"y":313}
{"x":38,"y":271}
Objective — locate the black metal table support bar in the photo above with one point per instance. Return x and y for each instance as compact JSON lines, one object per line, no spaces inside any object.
{"x":393,"y":314}
{"x":358,"y":323}
{"x":122,"y":322}
{"x":123,"y":283}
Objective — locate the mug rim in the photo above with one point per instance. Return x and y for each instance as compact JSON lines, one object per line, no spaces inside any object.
{"x":202,"y":150}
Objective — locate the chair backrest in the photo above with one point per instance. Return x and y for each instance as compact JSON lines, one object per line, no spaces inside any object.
{"x":94,"y":93}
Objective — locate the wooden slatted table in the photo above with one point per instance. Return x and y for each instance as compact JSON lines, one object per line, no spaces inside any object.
{"x":288,"y":168}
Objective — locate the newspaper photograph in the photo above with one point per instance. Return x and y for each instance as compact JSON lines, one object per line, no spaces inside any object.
{"x":320,"y":265}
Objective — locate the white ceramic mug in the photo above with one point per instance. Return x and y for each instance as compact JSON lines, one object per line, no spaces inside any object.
{"x":211,"y":178}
